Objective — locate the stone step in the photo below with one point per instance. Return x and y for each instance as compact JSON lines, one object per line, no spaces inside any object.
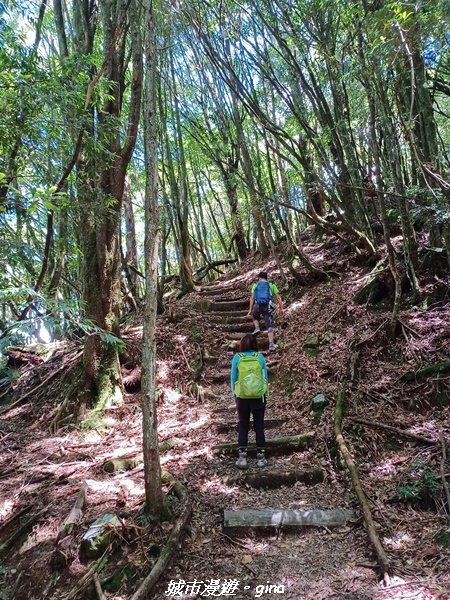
{"x":237,"y":335}
{"x":224,"y":375}
{"x":274,"y":478}
{"x":268,"y":424}
{"x":263,"y":346}
{"x":282,"y":445}
{"x":276,"y":518}
{"x":237,"y":327}
{"x":237,"y":316}
{"x":219,"y":291}
{"x":229,"y":305}
{"x":272,"y":360}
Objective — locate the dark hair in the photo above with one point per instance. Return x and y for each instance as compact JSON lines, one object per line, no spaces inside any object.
{"x":262,"y":275}
{"x":248,"y":342}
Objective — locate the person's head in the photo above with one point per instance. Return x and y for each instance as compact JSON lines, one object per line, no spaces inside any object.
{"x":248,"y":342}
{"x":262,"y":275}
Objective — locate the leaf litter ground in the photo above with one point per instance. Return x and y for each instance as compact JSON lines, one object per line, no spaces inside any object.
{"x":41,"y":471}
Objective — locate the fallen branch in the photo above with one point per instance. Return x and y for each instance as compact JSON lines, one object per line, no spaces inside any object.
{"x":98,"y":587}
{"x":371,"y":528}
{"x":131,"y":461}
{"x":171,"y":546}
{"x":84,"y":581}
{"x":401,"y":432}
{"x":20,"y":531}
{"x":15,"y":516}
{"x":75,"y":514}
{"x":123,"y":464}
{"x":283,"y":444}
{"x":203,"y":271}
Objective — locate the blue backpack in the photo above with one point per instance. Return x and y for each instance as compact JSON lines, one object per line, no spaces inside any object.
{"x":262,"y":292}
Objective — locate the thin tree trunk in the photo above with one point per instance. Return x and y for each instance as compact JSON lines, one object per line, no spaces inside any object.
{"x":152,"y":467}
{"x":130,"y":235}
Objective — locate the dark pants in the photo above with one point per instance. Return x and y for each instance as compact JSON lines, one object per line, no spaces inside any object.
{"x":245,"y":408}
{"x":264,"y":311}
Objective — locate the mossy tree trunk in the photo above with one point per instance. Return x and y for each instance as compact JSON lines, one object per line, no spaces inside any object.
{"x":101,"y":196}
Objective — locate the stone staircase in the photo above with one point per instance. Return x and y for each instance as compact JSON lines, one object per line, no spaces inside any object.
{"x":226,"y":311}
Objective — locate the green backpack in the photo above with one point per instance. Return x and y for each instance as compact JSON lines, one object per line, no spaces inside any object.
{"x":250,"y":382}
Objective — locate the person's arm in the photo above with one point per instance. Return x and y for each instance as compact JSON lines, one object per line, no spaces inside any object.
{"x":234,"y":374}
{"x":277,"y":298}
{"x":279,"y":302}
{"x":262,"y":360}
{"x":265,"y":372}
{"x":252,"y":302}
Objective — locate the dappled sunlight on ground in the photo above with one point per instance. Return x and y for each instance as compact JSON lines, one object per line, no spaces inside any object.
{"x":401,"y":588}
{"x":399,"y":541}
{"x":183,"y":426}
{"x":6,"y":508}
{"x":172,"y":395}
{"x":216,"y":486}
{"x":387,"y":468}
{"x":295,"y":306}
{"x":163,"y":370}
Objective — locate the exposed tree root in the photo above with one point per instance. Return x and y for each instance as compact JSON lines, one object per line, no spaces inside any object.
{"x":98,"y":587}
{"x":77,"y":396}
{"x":171,"y":546}
{"x":33,"y":391}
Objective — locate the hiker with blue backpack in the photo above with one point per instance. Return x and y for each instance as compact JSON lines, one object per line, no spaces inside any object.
{"x":264,"y":294}
{"x":249,"y":387}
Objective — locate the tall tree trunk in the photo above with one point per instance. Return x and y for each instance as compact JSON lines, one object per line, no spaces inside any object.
{"x":249,"y":179}
{"x":152,"y":467}
{"x":130,"y":236}
{"x":229,"y":180}
{"x":102,"y":203}
{"x":187,"y":284}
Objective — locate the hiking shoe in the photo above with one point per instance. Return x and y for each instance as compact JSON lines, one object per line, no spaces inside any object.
{"x":272,"y":346}
{"x":256,"y":330}
{"x":241,"y":462}
{"x":261,"y":460}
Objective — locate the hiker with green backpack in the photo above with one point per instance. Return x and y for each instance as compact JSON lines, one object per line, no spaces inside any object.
{"x":249,"y":387}
{"x":262,"y":298}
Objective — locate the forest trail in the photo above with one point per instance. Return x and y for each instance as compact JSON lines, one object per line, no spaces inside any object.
{"x":306,"y":563}
{"x":43,"y":470}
